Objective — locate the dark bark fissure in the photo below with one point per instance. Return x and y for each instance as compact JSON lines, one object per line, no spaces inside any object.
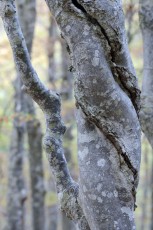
{"x":79,"y":6}
{"x":118,"y":71}
{"x":132,"y":92}
{"x":122,"y":74}
{"x":113,"y":140}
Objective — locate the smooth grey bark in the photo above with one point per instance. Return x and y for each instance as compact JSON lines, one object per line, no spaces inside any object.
{"x":27,"y":16}
{"x":152,"y":196}
{"x":145,"y":191}
{"x":107,"y":99}
{"x":146,"y":113}
{"x":36,"y":173}
{"x":16,"y":187}
{"x":53,"y":217}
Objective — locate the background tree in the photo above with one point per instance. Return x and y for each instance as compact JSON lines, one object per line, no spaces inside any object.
{"x":16,"y":186}
{"x":64,"y":88}
{"x":25,"y":104}
{"x":146,"y":115}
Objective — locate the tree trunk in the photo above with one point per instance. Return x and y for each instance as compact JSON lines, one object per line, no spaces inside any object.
{"x":36,"y":173}
{"x":146,"y":184}
{"x":107,"y":100}
{"x":131,"y":9}
{"x":152,"y":196}
{"x":27,"y":15}
{"x":52,"y":39}
{"x":65,"y":90}
{"x":16,"y":187}
{"x":146,"y":113}
{"x":52,"y":217}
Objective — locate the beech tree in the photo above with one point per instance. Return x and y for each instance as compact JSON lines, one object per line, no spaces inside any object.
{"x":146,"y":17}
{"x":16,"y":184}
{"x":146,"y":113}
{"x":107,"y":101}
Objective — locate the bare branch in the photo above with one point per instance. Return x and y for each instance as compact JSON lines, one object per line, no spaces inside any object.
{"x":50,"y":103}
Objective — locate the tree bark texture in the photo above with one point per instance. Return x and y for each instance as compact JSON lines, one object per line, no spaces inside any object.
{"x":107,"y":99}
{"x":27,"y":16}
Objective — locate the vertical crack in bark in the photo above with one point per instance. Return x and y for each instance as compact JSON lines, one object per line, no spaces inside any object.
{"x":127,"y":80}
{"x":102,"y":102}
{"x":79,"y":6}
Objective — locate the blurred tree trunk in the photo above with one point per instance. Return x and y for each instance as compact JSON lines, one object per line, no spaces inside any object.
{"x":146,"y":114}
{"x":36,"y":171}
{"x":27,"y":15}
{"x":16,"y":187}
{"x":146,"y":185}
{"x":52,"y":217}
{"x":131,"y":9}
{"x":52,"y":39}
{"x":152,"y":196}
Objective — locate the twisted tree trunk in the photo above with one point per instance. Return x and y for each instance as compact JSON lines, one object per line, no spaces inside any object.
{"x":107,"y":101}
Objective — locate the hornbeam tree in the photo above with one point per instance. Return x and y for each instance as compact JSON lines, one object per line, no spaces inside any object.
{"x":107,"y":102}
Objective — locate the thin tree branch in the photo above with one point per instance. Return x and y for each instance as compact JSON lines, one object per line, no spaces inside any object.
{"x":50,"y":103}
